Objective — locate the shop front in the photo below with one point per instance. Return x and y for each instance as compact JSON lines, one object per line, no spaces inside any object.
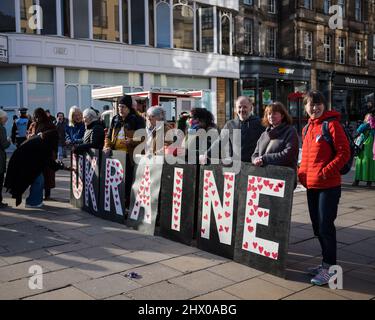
{"x":266,"y":81}
{"x":352,"y":96}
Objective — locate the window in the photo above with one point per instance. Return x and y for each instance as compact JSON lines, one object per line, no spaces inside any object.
{"x":163,"y":25}
{"x":248,"y":2}
{"x":271,"y":42}
{"x":183,"y":24}
{"x":327,"y":48}
{"x":206,"y":29}
{"x":138,"y":22}
{"x":49,"y":16}
{"x":358,"y":53}
{"x":81,"y":18}
{"x":40,"y":87}
{"x":105,"y":15}
{"x":7,"y":16}
{"x":225,"y":34}
{"x":341,"y":50}
{"x":24,"y":13}
{"x":248,"y":36}
{"x":308,"y":4}
{"x":271,"y":6}
{"x":358,"y":10}
{"x":327,"y":4}
{"x":308,"y":35}
{"x":65,"y":18}
{"x":125,"y":20}
{"x":342,"y":4}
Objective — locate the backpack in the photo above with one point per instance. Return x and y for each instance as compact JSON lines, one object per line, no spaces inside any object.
{"x":22,"y":127}
{"x":327,"y":136}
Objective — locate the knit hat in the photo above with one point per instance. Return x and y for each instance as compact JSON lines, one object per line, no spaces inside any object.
{"x":126,"y":100}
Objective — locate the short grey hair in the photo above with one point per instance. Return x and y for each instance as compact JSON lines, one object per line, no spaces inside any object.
{"x":90,"y":114}
{"x":156,"y":111}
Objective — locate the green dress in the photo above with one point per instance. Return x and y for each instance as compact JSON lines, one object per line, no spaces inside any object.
{"x":364,"y":164}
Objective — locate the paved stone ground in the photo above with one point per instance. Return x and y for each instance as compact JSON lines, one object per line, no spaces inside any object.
{"x":84,"y":257}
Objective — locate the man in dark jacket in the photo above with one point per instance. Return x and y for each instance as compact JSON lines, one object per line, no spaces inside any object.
{"x":251,"y":129}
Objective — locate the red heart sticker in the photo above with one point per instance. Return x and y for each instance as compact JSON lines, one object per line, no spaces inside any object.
{"x":175,"y":210}
{"x":266,"y":253}
{"x":226,"y":229}
{"x":251,"y":212}
{"x":203,"y":231}
{"x":250,"y":228}
{"x":227,"y":194}
{"x":208,"y":174}
{"x":260,"y":187}
{"x":176,"y":226}
{"x":255,"y":244}
{"x":205,"y":217}
{"x":175,"y":217}
{"x":206,"y":203}
{"x":219,"y":217}
{"x":260,"y":249}
{"x":179,"y":175}
{"x":271,"y":185}
{"x":245,"y":245}
{"x":213,"y":192}
{"x":227,"y":214}
{"x":178,"y":181}
{"x":227,"y":203}
{"x":252,"y":180}
{"x":275,"y":255}
{"x":254,"y":195}
{"x":216,"y":203}
{"x":221,"y":229}
{"x":250,"y":203}
{"x":248,"y":220}
{"x":229,"y":186}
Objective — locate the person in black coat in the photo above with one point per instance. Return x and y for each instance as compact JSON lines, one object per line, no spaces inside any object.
{"x":38,"y":151}
{"x":94,"y":134}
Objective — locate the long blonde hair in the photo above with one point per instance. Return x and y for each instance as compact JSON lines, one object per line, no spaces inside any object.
{"x":72,"y":110}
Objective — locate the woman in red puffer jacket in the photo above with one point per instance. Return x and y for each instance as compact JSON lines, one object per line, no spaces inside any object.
{"x":319,"y":172}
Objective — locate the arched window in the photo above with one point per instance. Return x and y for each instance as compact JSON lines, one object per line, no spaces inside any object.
{"x":225,"y":34}
{"x":163,"y":24}
{"x":183,"y":24}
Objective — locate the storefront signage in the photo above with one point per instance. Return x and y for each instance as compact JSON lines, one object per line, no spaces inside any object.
{"x":356,"y":81}
{"x":286,"y":71}
{"x":4,"y":49}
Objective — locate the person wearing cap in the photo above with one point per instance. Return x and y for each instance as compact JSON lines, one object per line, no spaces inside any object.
{"x":120,"y":137}
{"x":20,"y":128}
{"x":4,"y":144}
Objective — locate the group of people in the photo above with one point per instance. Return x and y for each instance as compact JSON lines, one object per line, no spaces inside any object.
{"x":272,"y":140}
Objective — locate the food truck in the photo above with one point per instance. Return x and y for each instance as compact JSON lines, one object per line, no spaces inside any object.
{"x":173,"y":102}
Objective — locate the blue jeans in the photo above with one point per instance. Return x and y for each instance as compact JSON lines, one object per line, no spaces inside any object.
{"x":323,"y":205}
{"x":60,"y":152}
{"x":36,"y":192}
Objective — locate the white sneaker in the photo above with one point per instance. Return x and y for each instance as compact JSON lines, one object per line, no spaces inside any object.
{"x":36,"y":206}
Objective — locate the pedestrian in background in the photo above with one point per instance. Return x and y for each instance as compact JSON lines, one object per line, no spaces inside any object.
{"x":76,"y":129}
{"x":365,"y":163}
{"x":41,"y":124}
{"x":20,"y":127}
{"x":319,"y":173}
{"x":61,"y":124}
{"x":4,"y":144}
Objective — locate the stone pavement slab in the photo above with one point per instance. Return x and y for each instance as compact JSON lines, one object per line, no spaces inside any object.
{"x":258,"y":289}
{"x":315,"y":293}
{"x":154,"y":273}
{"x":201,"y":282}
{"x":108,"y":286}
{"x":161,"y":291}
{"x":69,"y":293}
